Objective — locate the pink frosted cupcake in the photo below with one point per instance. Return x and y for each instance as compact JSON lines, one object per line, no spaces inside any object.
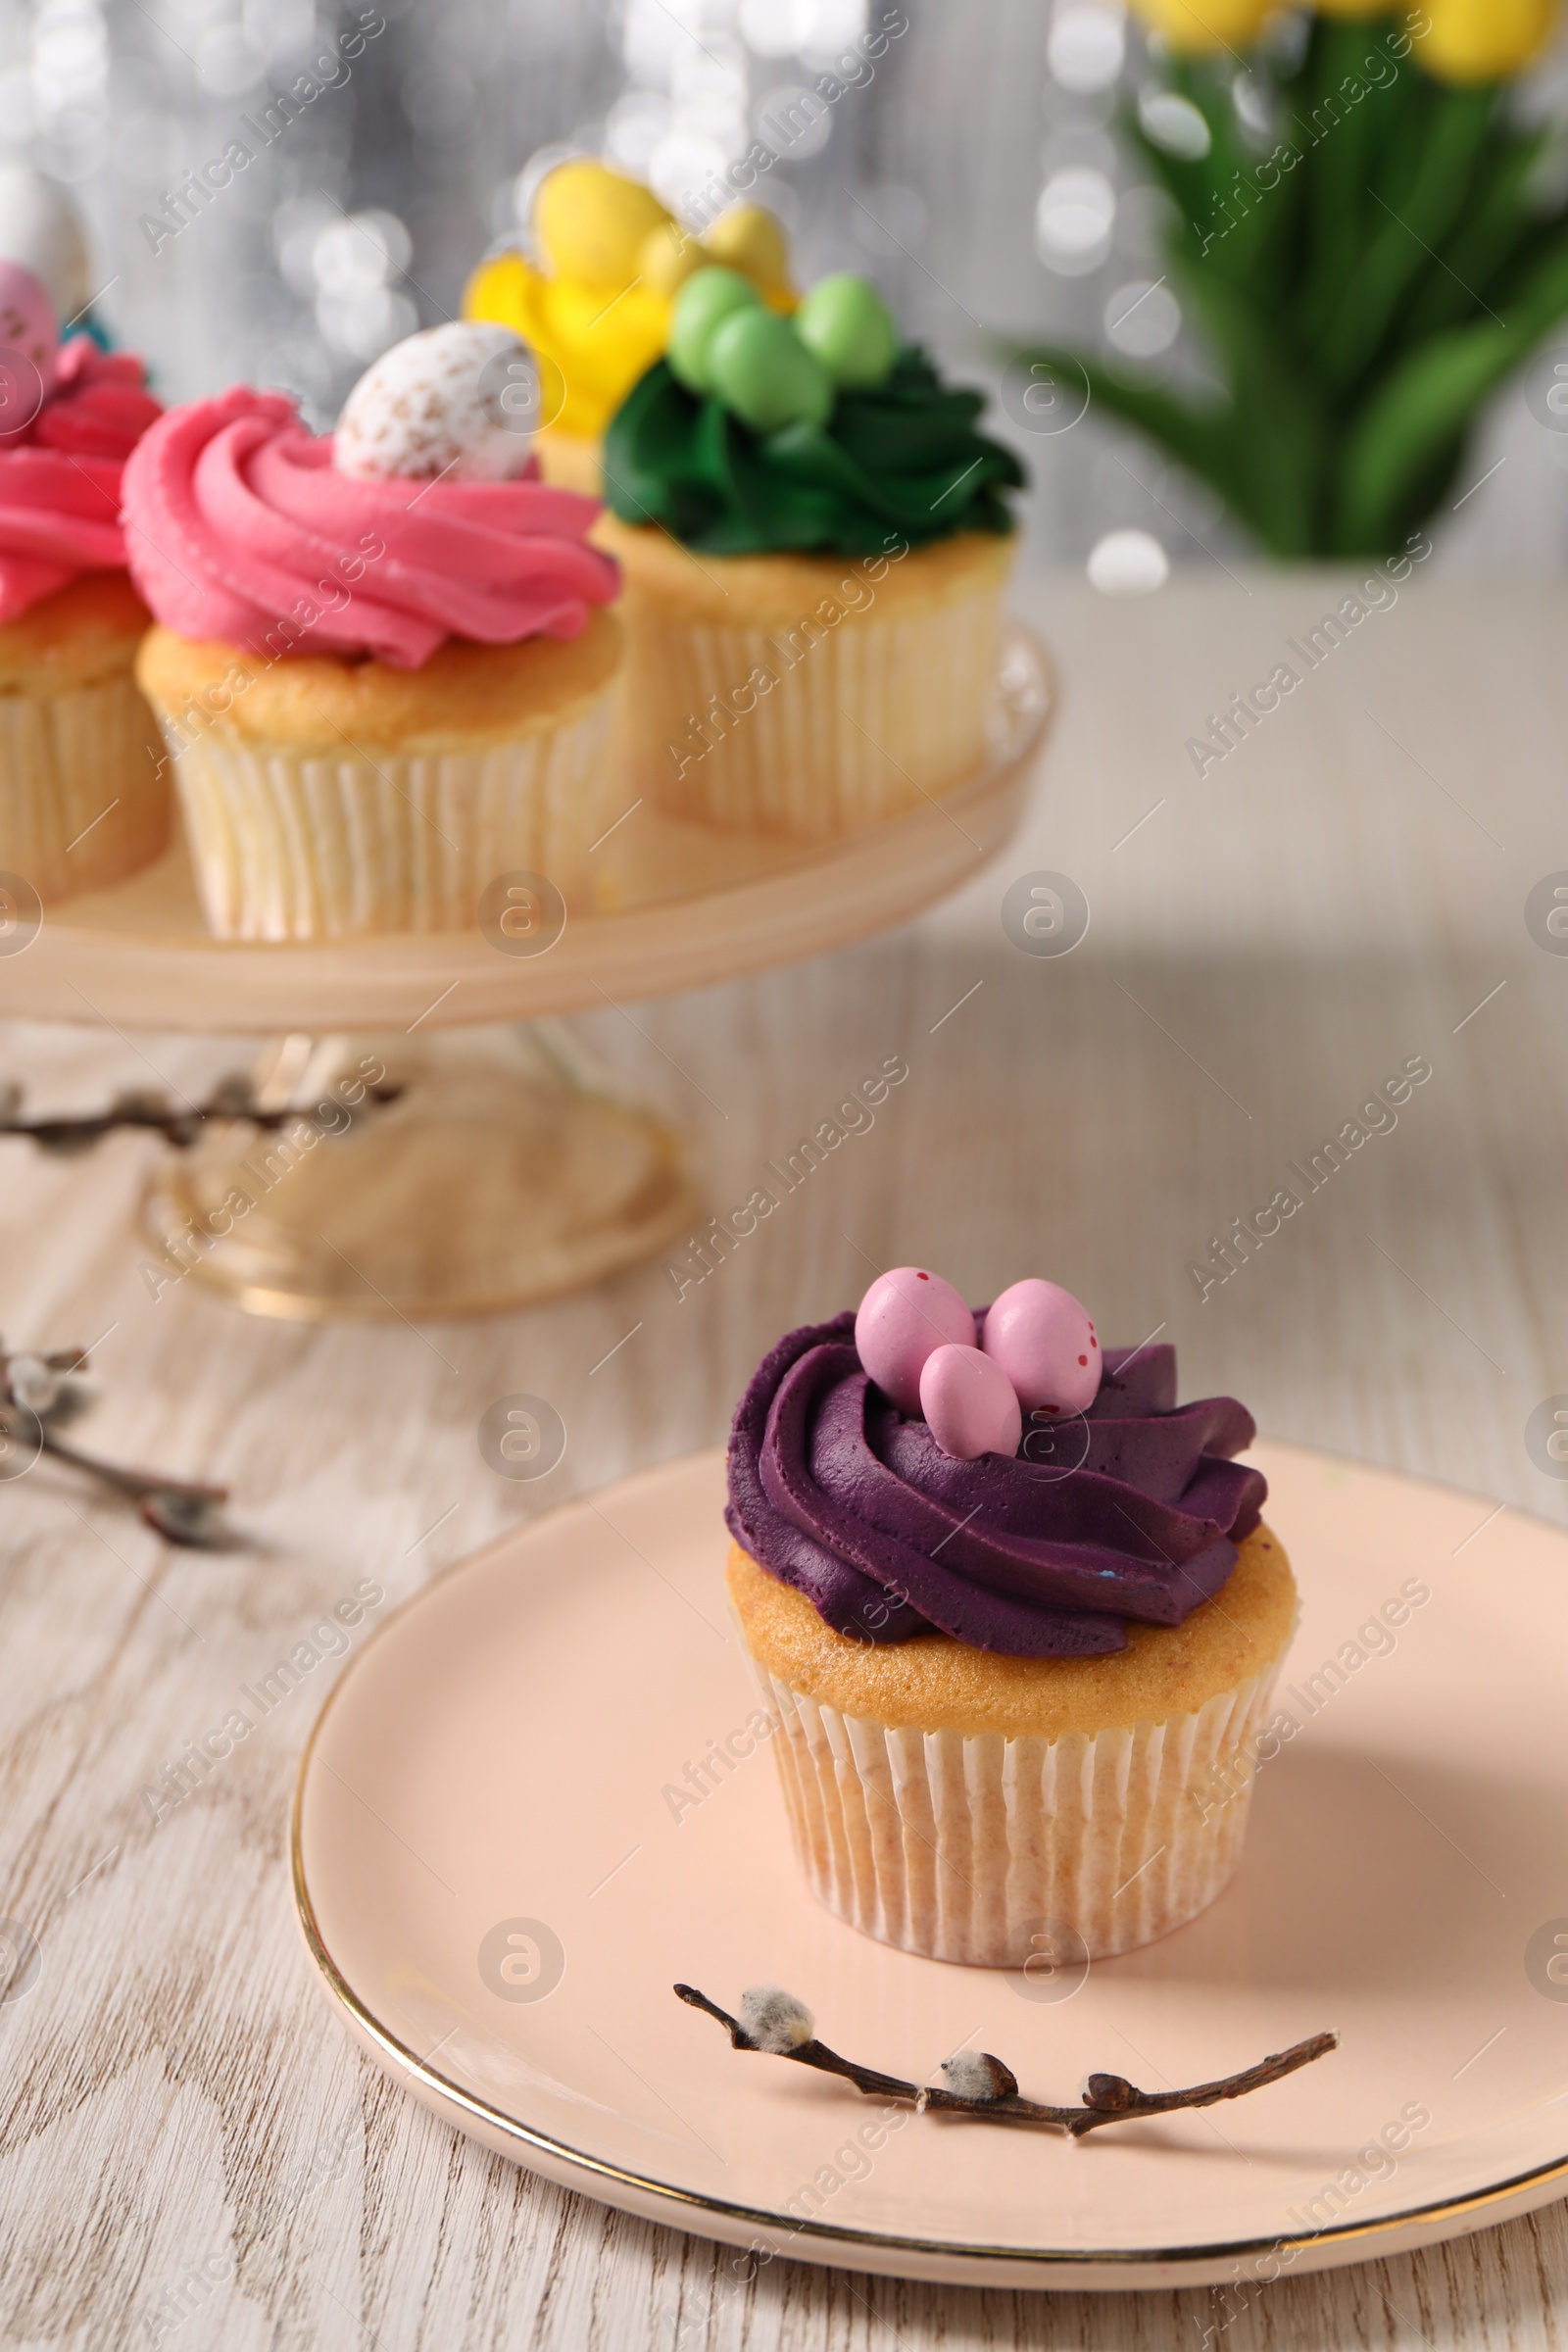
{"x":384,"y":663}
{"x":83,"y":800}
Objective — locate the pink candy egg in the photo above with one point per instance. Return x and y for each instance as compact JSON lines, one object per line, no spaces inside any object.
{"x":970,"y":1403}
{"x":904,"y":1316}
{"x":1041,"y":1336}
{"x":29,"y":341}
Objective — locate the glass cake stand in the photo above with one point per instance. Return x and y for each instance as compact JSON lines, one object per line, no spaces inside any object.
{"x":497,"y":1169}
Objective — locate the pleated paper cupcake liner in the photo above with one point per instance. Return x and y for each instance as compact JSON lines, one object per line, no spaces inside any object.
{"x":290,"y":843}
{"x":977,"y":1849}
{"x":864,"y":721}
{"x":85,"y":797}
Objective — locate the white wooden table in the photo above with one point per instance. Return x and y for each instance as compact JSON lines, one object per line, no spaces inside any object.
{"x":1343,"y":891}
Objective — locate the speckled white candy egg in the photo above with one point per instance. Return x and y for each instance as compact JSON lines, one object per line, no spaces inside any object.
{"x":41,"y":229}
{"x":437,"y":404}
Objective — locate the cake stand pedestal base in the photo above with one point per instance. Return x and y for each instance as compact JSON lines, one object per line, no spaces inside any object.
{"x":499,"y":1175}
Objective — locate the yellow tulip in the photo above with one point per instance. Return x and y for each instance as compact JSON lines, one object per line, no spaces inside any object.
{"x":1353,"y":8}
{"x":597,"y":316}
{"x":1484,"y":40}
{"x":1199,"y":26}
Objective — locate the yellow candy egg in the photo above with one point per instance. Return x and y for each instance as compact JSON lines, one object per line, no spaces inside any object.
{"x":592,"y":222}
{"x":666,"y":259}
{"x":752,"y":239}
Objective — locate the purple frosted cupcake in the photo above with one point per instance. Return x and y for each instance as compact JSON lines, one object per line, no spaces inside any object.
{"x":1017,"y":1616}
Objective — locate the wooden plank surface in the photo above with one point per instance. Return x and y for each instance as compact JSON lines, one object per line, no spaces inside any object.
{"x":1343,"y":891}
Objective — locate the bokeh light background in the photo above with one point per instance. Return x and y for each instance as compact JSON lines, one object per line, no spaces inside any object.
{"x":977,"y":173}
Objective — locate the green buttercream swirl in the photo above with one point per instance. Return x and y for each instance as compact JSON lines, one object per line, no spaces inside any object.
{"x":900,"y":460}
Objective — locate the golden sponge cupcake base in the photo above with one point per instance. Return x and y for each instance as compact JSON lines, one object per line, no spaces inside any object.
{"x":1018,"y":1812}
{"x":327,"y":797}
{"x":84,"y":796}
{"x":879,"y":676}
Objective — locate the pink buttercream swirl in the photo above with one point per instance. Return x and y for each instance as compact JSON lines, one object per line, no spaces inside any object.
{"x":239,"y":529}
{"x":60,"y":475}
{"x":99,"y":405}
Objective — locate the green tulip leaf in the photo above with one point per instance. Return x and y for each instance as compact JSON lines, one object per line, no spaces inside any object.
{"x":1430,"y":400}
{"x":1364,"y":276}
{"x":1401,"y":250}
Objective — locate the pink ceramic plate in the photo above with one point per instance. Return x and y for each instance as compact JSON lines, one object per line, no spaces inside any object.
{"x":504,"y":1858}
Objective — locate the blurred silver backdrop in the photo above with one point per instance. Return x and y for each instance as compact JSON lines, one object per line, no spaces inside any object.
{"x":970,"y":164}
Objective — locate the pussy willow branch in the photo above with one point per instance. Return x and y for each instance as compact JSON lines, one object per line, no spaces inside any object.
{"x":181,"y":1511}
{"x":231,"y":1101}
{"x":1106,"y":2099}
{"x":136,"y":1483}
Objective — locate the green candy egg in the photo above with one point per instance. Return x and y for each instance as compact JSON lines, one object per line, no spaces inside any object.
{"x":707,"y":299}
{"x":846,"y":323}
{"x":761,"y":370}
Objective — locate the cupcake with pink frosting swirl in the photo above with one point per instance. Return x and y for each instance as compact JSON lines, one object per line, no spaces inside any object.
{"x":384,"y":661}
{"x":83,"y":799}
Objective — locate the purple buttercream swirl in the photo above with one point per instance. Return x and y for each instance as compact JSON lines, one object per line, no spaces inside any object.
{"x":1132,"y":1509}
